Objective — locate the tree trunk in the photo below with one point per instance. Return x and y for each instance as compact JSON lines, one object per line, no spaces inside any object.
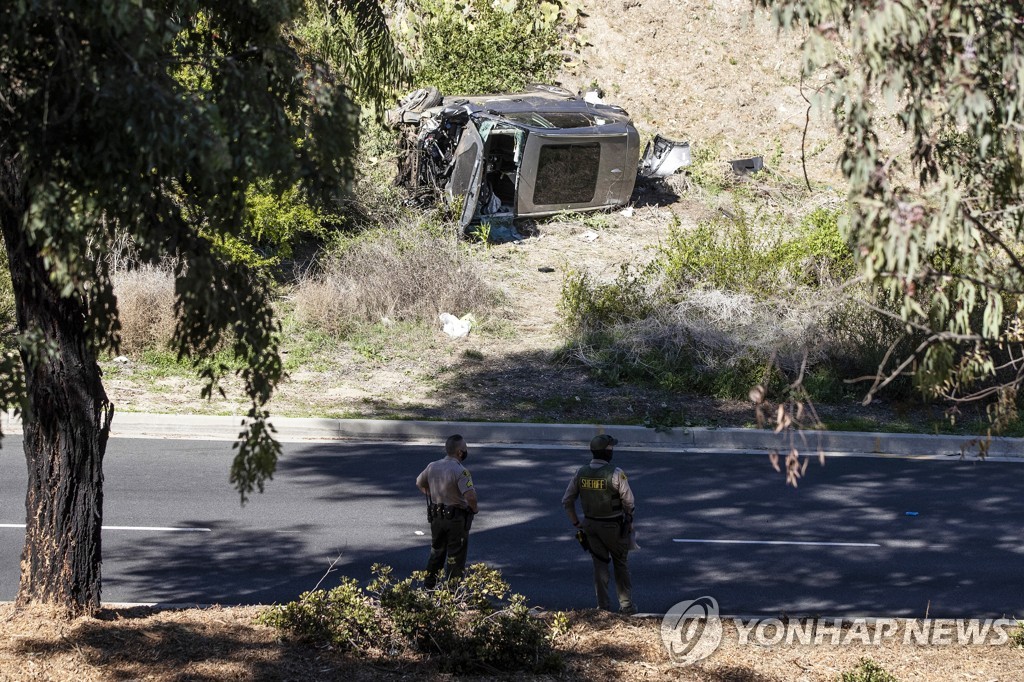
{"x":66,"y":422}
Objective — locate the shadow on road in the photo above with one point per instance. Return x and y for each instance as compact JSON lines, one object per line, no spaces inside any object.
{"x":959,"y":555}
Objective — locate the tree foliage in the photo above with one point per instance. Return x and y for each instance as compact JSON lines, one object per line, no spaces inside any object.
{"x":938,"y":215}
{"x":153,"y":119}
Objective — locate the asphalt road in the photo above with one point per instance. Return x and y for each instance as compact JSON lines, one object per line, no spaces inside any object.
{"x":842,"y":544}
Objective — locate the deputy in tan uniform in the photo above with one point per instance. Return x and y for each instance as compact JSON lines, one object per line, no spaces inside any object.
{"x":607,"y":504}
{"x":451,"y":505}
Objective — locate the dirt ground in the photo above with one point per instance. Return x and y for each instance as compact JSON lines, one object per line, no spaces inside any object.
{"x":226,"y":644}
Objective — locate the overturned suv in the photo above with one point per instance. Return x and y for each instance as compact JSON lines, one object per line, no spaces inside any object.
{"x":526,"y":154}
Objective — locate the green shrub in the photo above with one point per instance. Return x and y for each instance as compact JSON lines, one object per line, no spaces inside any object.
{"x":725,"y":301}
{"x":1017,"y":636}
{"x":733,"y":253}
{"x":472,"y":625}
{"x":868,"y":671}
{"x":275,"y":222}
{"x":586,"y":305}
{"x":344,"y":616}
{"x":822,"y":384}
{"x":708,"y":170}
{"x":478,"y":46}
{"x":821,"y":254}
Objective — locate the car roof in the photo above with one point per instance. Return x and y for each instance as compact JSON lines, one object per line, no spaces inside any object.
{"x":519,"y":107}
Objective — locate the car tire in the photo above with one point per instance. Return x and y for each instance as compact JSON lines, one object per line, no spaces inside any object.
{"x":420,"y":100}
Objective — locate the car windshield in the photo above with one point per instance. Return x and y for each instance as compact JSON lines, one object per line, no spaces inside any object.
{"x":562,"y":119}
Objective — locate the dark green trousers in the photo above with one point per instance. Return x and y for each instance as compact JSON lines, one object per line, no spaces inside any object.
{"x":606,"y":542}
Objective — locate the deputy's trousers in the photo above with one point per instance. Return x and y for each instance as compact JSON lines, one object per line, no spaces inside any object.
{"x":608,"y":542}
{"x":449,"y":542}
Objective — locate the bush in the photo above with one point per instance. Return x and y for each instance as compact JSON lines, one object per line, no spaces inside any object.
{"x":586,"y":305}
{"x":1017,"y":636}
{"x":868,"y":671}
{"x":145,"y":302}
{"x":344,"y":616}
{"x":708,"y":169}
{"x":398,"y":274}
{"x":275,"y":223}
{"x":478,"y":46}
{"x":733,"y":253}
{"x":709,"y":341}
{"x":471,"y":625}
{"x":731,"y":304}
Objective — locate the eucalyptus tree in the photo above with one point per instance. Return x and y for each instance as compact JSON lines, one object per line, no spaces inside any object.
{"x":151,"y":118}
{"x":937,"y":215}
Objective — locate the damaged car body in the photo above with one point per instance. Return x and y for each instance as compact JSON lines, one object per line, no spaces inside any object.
{"x":522,"y":155}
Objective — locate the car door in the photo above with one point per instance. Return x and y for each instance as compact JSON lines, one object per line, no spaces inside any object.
{"x":467,"y":171}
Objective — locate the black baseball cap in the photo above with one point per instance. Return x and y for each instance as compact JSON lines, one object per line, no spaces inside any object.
{"x":602,"y":442}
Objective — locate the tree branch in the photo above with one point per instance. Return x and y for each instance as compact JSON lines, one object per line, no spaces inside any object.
{"x":994,"y":237}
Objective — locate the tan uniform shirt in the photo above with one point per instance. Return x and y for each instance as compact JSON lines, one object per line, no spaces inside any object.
{"x":619,"y":485}
{"x":448,"y":482}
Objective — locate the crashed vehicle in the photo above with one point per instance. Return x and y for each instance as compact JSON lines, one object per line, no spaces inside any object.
{"x":526,"y":154}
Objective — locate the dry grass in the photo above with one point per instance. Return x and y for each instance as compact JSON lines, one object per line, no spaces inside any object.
{"x":227,"y":644}
{"x":397,"y":274}
{"x":145,"y":299}
{"x":721,"y":328}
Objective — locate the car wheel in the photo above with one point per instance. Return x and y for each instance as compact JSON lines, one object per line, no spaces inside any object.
{"x":420,"y":100}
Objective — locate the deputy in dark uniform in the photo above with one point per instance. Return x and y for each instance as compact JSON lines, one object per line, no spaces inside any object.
{"x":607,"y":504}
{"x":451,"y":505}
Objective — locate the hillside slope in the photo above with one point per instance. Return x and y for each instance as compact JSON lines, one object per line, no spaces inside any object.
{"x":714,"y":73}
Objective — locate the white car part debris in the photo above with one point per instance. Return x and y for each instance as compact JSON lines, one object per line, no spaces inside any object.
{"x":627,"y":212}
{"x":588,"y":236}
{"x":663,"y":157}
{"x":454,"y":326}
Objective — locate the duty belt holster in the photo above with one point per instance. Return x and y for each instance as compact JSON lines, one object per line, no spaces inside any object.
{"x":437,"y":511}
{"x":584,"y":541}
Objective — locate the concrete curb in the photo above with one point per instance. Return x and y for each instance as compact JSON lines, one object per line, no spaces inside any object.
{"x":129,"y":424}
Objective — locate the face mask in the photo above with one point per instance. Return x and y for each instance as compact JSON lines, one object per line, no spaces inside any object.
{"x":465,"y":456}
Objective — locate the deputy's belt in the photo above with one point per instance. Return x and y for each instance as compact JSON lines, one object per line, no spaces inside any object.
{"x":450,"y":511}
{"x":609,"y":519}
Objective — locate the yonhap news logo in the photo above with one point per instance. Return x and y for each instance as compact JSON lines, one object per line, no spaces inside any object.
{"x":693,"y":630}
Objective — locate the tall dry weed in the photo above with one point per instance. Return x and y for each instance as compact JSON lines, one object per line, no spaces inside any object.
{"x":714,"y":329}
{"x":145,"y":301}
{"x":724,"y":326}
{"x":410,"y":274}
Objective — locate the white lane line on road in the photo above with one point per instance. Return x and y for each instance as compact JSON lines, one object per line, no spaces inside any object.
{"x":778,"y":542}
{"x":160,"y":529}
